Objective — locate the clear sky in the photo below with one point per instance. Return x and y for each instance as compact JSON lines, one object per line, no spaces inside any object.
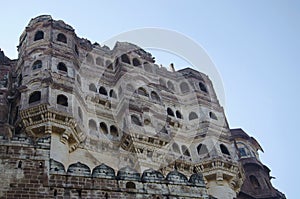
{"x":255,"y":46}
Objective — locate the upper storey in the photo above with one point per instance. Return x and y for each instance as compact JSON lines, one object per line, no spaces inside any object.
{"x":122,"y":87}
{"x":248,"y":146}
{"x":257,"y":182}
{"x":44,"y":36}
{"x":89,"y":75}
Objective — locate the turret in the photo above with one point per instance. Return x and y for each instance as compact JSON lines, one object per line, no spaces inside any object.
{"x":257,"y":182}
{"x":47,"y":63}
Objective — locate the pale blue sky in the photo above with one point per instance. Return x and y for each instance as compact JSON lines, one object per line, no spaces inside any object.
{"x":255,"y":46}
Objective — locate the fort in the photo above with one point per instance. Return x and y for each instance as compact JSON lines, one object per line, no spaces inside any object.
{"x":81,"y":120}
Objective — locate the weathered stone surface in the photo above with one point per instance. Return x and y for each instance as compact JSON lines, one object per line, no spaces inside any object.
{"x":103,"y":171}
{"x":128,"y":173}
{"x":79,"y":169}
{"x":151,"y":175}
{"x":81,"y":120}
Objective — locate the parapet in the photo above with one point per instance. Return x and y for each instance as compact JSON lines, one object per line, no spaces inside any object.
{"x":126,"y":173}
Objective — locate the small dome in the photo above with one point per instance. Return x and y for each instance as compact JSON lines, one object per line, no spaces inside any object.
{"x":103,"y":171}
{"x":127,"y":173}
{"x":176,"y":177}
{"x":197,"y":179}
{"x":151,"y":175}
{"x":56,"y":167}
{"x":79,"y":169}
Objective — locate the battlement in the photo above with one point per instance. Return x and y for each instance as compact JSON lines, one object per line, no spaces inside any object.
{"x":28,"y":168}
{"x":81,"y":120}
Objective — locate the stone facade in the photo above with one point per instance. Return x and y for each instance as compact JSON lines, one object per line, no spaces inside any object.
{"x":80,"y":120}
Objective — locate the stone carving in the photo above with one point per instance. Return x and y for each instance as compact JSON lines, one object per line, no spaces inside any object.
{"x":151,"y":175}
{"x":176,"y":177}
{"x":79,"y":169}
{"x":130,"y":128}
{"x":103,"y":171}
{"x":197,"y":179}
{"x":127,"y":173}
{"x":56,"y":167}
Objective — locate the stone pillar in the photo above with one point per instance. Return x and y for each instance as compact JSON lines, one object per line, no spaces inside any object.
{"x":220,"y":190}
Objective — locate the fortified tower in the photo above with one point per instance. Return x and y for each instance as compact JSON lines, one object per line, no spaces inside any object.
{"x":46,"y":69}
{"x":111,"y":123}
{"x":257,"y":182}
{"x":96,"y":101}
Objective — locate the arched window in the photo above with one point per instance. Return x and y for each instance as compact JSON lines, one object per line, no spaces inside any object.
{"x":224,"y":149}
{"x":78,"y":79}
{"x":178,"y":114}
{"x":79,"y":193}
{"x":164,"y":130}
{"x":243,"y":149}
{"x":170,"y":112}
{"x":142,"y":91}
{"x":202,"y":149}
{"x":109,"y":65}
{"x":92,"y":125}
{"x":175,"y":148}
{"x":130,"y":185}
{"x":114,"y":131}
{"x":213,"y":116}
{"x":37,"y":64}
{"x":39,"y":35}
{"x":93,"y":128}
{"x":162,"y":82}
{"x":136,"y":62}
{"x":184,"y":87}
{"x":80,"y":113}
{"x":20,"y":164}
{"x":254,"y":182}
{"x":76,"y":50}
{"x":202,"y":87}
{"x":125,"y":59}
{"x":242,"y":152}
{"x":135,"y":120}
{"x":102,"y":91}
{"x":20,"y":79}
{"x":112,"y":94}
{"x":116,"y":62}
{"x":55,"y":193}
{"x":99,"y":61}
{"x":92,"y":87}
{"x":62,"y":67}
{"x":62,"y":100}
{"x":103,"y":128}
{"x":185,"y":151}
{"x":155,"y":96}
{"x":193,"y":116}
{"x":62,"y":38}
{"x":90,"y":58}
{"x":170,"y":86}
{"x":34,"y":97}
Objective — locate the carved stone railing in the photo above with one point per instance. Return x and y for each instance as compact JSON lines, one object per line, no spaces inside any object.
{"x":41,"y":120}
{"x":221,"y":169}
